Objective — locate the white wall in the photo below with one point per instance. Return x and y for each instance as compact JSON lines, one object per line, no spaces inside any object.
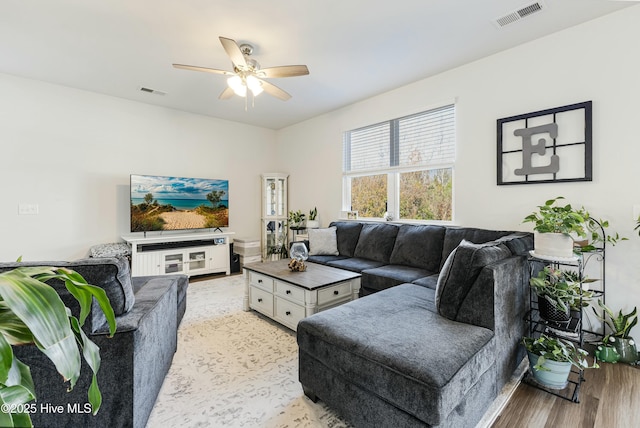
{"x":596,"y":61}
{"x":71,"y":152}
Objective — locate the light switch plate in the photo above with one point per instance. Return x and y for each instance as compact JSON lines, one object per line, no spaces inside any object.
{"x":28,"y":209}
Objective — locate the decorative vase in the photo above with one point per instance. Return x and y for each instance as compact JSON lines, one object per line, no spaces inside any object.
{"x":556,"y":377}
{"x":553,"y":245}
{"x":627,"y":349}
{"x":551,"y":312}
{"x":607,"y":354}
{"x":299,"y":251}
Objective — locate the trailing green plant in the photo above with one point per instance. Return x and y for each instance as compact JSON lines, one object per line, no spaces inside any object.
{"x":556,"y":349}
{"x":31,"y":312}
{"x":562,"y":288}
{"x":620,"y":324}
{"x":313,"y":213}
{"x":296,"y":217}
{"x":555,"y":218}
{"x":597,"y":230}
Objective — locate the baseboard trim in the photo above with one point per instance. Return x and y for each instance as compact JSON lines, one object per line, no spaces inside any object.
{"x":503,"y":398}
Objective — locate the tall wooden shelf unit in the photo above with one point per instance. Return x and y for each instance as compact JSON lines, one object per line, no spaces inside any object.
{"x":577,"y":330}
{"x":274,"y":235}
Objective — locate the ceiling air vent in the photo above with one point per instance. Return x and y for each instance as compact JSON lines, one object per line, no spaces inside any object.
{"x":152,"y":91}
{"x":517,"y":15}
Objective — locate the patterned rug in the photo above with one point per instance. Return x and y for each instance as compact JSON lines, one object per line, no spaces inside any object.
{"x":234,"y":368}
{"x":240,"y":369}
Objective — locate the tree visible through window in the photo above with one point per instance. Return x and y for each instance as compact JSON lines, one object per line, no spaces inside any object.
{"x":403,"y":166}
{"x":369,"y":195}
{"x":426,"y":194}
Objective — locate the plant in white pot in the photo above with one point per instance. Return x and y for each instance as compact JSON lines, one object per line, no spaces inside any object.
{"x":312,"y":223}
{"x":551,"y":359}
{"x":31,"y":312}
{"x":296,"y":218}
{"x":554,"y":225}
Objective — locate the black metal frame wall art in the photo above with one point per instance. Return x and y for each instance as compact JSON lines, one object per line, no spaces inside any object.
{"x":547,"y":146}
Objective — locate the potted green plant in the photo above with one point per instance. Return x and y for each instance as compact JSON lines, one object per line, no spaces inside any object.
{"x":556,"y":226}
{"x":33,"y":313}
{"x":620,"y":325}
{"x":312,"y":223}
{"x":296,"y":218}
{"x":607,"y":352}
{"x":551,"y":359}
{"x":553,"y":227}
{"x":560,"y":293}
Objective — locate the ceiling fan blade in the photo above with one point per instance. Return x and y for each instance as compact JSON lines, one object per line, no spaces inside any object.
{"x":226,"y":94}
{"x":273,"y":90}
{"x":233,"y":50}
{"x":284,"y":71}
{"x":205,"y":69}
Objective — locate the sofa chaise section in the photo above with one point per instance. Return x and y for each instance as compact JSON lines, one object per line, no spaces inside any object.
{"x":397,"y":361}
{"x":416,"y":355}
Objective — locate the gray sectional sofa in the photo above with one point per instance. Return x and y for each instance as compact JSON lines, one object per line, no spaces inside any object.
{"x":436,"y":333}
{"x":134,"y":361}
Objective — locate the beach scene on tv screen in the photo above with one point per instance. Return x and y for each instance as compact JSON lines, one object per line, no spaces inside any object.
{"x":177,"y":203}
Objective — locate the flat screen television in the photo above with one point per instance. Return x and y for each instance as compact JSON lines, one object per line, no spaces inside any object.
{"x":178,"y":203}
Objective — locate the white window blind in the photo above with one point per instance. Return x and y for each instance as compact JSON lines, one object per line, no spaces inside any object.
{"x":422,"y":139}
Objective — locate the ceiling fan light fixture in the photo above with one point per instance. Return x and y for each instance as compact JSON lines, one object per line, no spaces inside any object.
{"x":247,"y":73}
{"x":254,"y":84}
{"x":238,"y":86}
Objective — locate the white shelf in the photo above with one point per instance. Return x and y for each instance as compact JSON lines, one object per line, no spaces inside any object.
{"x":572,"y":259}
{"x":187,"y":253}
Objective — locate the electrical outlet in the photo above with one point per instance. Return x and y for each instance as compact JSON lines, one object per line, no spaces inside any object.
{"x":28,"y":209}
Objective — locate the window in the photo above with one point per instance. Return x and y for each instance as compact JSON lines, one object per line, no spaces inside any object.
{"x":403,"y":167}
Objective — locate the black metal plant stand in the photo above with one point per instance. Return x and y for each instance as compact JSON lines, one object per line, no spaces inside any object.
{"x":573,"y":330}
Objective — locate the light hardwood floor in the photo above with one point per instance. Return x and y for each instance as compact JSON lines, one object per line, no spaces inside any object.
{"x":610,"y":397}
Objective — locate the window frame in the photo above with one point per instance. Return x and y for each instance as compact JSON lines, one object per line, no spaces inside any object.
{"x":394,"y":172}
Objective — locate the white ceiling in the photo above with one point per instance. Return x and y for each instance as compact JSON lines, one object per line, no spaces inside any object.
{"x":354,"y":49}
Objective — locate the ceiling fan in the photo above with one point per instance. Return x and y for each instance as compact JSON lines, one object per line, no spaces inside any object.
{"x":247,"y":73}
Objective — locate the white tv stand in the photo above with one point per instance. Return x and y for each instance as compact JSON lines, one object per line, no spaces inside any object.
{"x":188,"y":253}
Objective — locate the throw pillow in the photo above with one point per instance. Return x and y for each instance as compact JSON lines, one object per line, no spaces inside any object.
{"x":460,"y":271}
{"x":323,"y":242}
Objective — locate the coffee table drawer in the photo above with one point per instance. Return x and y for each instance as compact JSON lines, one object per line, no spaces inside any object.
{"x":288,"y":312}
{"x":340,"y":291}
{"x":261,"y":301}
{"x":262,"y":281}
{"x":289,"y":291}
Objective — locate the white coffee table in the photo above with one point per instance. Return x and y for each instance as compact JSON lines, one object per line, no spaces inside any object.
{"x":287,"y":297}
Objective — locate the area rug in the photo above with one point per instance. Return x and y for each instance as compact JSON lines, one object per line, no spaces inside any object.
{"x":234,"y":368}
{"x":240,"y":369}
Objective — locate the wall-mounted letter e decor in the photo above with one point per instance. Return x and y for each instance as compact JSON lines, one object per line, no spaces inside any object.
{"x":547,"y":146}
